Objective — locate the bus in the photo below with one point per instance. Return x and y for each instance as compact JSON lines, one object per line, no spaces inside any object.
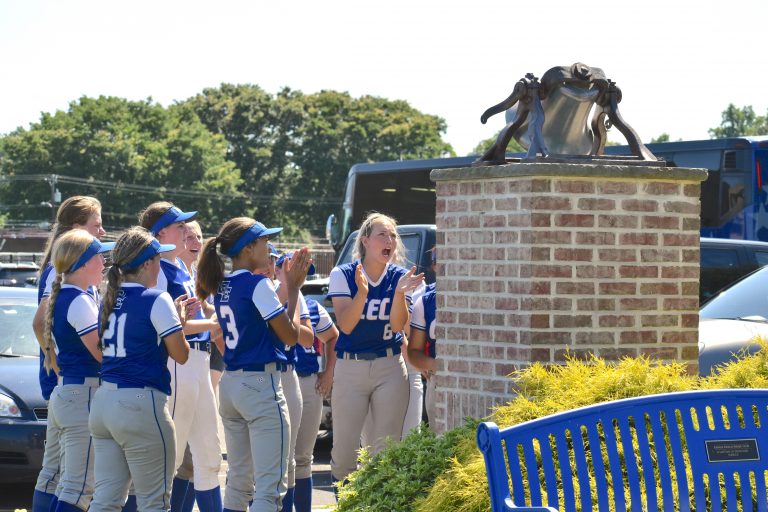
{"x":734,"y":200}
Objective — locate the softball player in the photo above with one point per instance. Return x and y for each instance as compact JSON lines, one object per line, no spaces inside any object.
{"x":421,"y":347}
{"x":371,"y":298}
{"x":314,"y":384}
{"x":193,"y":404}
{"x":255,"y":325}
{"x":132,"y":429}
{"x":77,"y":212}
{"x":71,"y":346}
{"x":290,"y":380}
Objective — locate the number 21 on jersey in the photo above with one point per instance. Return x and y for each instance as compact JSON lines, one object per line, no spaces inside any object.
{"x":114,"y":336}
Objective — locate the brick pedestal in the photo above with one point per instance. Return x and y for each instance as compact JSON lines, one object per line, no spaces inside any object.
{"x":540,"y":259}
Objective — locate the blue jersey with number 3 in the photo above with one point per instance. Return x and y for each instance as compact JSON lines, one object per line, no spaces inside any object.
{"x":373,"y":332}
{"x":134,"y":352}
{"x":244,"y":303}
{"x":75,"y":314}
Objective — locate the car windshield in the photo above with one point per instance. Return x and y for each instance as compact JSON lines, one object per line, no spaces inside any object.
{"x":16,"y":335}
{"x":746,"y":298}
{"x":17,"y":276}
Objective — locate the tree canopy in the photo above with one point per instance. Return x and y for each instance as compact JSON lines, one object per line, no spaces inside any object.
{"x":232,"y":150}
{"x":737,"y":121}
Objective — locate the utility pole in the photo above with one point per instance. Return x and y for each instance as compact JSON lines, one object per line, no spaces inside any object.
{"x":55,"y":196}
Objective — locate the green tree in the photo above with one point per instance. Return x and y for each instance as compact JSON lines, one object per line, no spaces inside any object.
{"x":664,"y":137}
{"x":126,"y":153}
{"x":483,"y":145}
{"x":737,"y":121}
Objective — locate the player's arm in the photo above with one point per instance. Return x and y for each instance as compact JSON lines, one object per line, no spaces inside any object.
{"x":348,"y":308}
{"x":168,"y":318}
{"x":83,"y":316}
{"x":38,"y":322}
{"x":416,"y":356}
{"x":177,"y":346}
{"x":306,"y":332}
{"x":325,"y":379}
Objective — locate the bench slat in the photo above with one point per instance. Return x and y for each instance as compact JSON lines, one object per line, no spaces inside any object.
{"x":548,"y":464}
{"x":580,"y":458}
{"x":633,"y":471}
{"x":662,"y":465}
{"x":614,"y":464}
{"x":566,"y":472}
{"x":676,"y":447}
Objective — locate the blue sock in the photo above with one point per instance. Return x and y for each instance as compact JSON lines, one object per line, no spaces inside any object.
{"x":230,"y":510}
{"x":63,"y":506}
{"x":130,"y":504}
{"x":178,"y":493}
{"x":210,"y":500}
{"x":302,"y":496}
{"x":41,"y":501}
{"x":287,"y":501}
{"x":189,"y":499}
{"x":54,"y":502}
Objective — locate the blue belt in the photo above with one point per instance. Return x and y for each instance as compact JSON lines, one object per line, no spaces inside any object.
{"x":368,"y":356}
{"x":279,"y":366}
{"x":305,"y":374}
{"x":125,"y":385}
{"x":76,"y":380}
{"x":201,"y":345}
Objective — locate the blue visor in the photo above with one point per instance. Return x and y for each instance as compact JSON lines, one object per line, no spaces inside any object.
{"x":95,"y":248}
{"x":169,"y":217}
{"x":272,"y":251}
{"x":258,"y":230}
{"x":149,"y":252}
{"x":289,"y":255}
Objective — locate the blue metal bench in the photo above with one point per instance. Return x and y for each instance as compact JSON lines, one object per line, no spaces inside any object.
{"x":697,"y":450}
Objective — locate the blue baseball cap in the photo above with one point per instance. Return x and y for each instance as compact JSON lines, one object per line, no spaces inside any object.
{"x":273,"y":251}
{"x":96,"y":247}
{"x":153,"y":249}
{"x":258,"y":230}
{"x":289,"y":255}
{"x":172,"y":215}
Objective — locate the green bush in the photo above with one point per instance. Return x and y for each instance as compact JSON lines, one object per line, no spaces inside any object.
{"x":427,"y":473}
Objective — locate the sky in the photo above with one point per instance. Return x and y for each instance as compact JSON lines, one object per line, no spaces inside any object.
{"x":679,"y":63}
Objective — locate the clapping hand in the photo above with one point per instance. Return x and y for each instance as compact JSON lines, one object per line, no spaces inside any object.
{"x":297,"y":266}
{"x":410,"y":281}
{"x":360,"y":280}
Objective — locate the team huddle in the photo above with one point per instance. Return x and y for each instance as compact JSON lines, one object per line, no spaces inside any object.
{"x":130,"y":367}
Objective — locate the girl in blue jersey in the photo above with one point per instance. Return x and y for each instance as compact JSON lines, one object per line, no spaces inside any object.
{"x":315,"y":383}
{"x":371,"y":297}
{"x":132,"y":429}
{"x":193,"y":403}
{"x":255,"y":325}
{"x":421,"y":346}
{"x":77,"y":212}
{"x":71,"y":347}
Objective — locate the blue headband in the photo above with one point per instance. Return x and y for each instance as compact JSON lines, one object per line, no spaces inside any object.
{"x":169,"y":217}
{"x":95,"y":248}
{"x":272,"y":251}
{"x":289,"y":255}
{"x":258,"y":230}
{"x":150,"y":251}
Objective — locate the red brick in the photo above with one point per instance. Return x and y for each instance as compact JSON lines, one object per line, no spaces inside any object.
{"x":505,"y":237}
{"x":671,"y":304}
{"x":505,"y":336}
{"x":689,"y":289}
{"x":617,"y":254}
{"x":595,"y":238}
{"x":540,"y":220}
{"x":690,"y":354}
{"x":545,"y":203}
{"x":639,"y":239}
{"x":443,"y":222}
{"x":691,"y":255}
{"x":440,"y":206}
{"x":617,"y":221}
{"x":539,"y":321}
{"x":505,"y":369}
{"x":469,"y":221}
{"x":540,"y":254}
{"x":595,"y":204}
{"x":494,"y":221}
{"x":481,"y":302}
{"x":469,"y":319}
{"x":495,"y":187}
{"x":595,"y":272}
{"x":507,"y":269}
{"x":469,"y":188}
{"x":638,"y":337}
{"x":638,"y":304}
{"x":677,"y":272}
{"x":575,"y":187}
{"x":481,"y":205}
{"x":540,"y":288}
{"x":681,"y":207}
{"x":506,"y":204}
{"x":635,"y":271}
{"x":545,"y":237}
{"x":616,"y":187}
{"x":481,"y":334}
{"x":446,"y":317}
{"x":541,"y":185}
{"x":616,"y":321}
{"x":616,"y":354}
{"x":481,"y":237}
{"x":573,"y":220}
{"x":532,"y":304}
{"x":471,"y":253}
{"x":457,"y":237}
{"x":606,"y":304}
{"x":545,"y":337}
{"x":691,"y":320}
{"x":595,"y":338}
{"x":456,"y":205}
{"x":659,"y":255}
{"x":691,"y":224}
{"x":469,"y":286}
{"x":692,"y":190}
{"x":492,"y":287}
{"x":557,"y":271}
{"x":492,"y":319}
{"x":659,"y":320}
{"x":481,"y":368}
{"x":444,"y":188}
{"x":518,"y":253}
{"x":667,"y":353}
{"x":659,"y":288}
{"x":654,"y":222}
{"x":659,"y":188}
{"x":638,"y":205}
{"x":561,"y":304}
{"x":586,"y":304}
{"x":494,"y":386}
{"x":458,"y":366}
{"x":619,"y":288}
{"x":468,"y":351}
{"x":507,"y":303}
{"x":583,"y":354}
{"x":540,"y":355}
{"x":523,"y":185}
{"x":575,"y":288}
{"x":681,"y":240}
{"x":575,"y":321}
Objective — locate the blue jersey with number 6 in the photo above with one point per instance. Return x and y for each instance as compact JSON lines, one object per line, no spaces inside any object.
{"x":244,"y":303}
{"x":373,"y":332}
{"x":134,"y":352}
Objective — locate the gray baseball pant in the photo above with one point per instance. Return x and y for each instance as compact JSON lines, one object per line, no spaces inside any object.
{"x":293,"y":398}
{"x":311,"y":416}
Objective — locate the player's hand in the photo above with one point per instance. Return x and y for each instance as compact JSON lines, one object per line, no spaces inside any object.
{"x":216,"y":333}
{"x":181,"y":308}
{"x":193,"y":307}
{"x":410,"y":281}
{"x":360,"y":280}
{"x":297,"y":266}
{"x":324,"y":383}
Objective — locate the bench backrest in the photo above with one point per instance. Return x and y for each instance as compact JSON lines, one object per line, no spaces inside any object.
{"x":698,"y":450}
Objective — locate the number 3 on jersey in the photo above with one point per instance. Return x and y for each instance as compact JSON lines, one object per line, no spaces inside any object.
{"x":230,"y":328}
{"x":114,"y":336}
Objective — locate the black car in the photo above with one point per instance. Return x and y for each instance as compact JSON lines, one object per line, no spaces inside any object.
{"x":23,"y":412}
{"x":724,"y":261}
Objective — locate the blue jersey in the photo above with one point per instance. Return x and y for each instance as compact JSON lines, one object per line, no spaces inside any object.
{"x":244,"y":303}
{"x":177,"y":281}
{"x":373,"y":332}
{"x":134,"y":352}
{"x":308,"y":358}
{"x":75,"y":314}
{"x":423,"y":318}
{"x":290,"y":351}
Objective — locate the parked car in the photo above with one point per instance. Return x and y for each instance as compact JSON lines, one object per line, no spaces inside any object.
{"x":19,"y":274}
{"x":725,"y":260}
{"x":730,"y":321}
{"x":23,"y":412}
